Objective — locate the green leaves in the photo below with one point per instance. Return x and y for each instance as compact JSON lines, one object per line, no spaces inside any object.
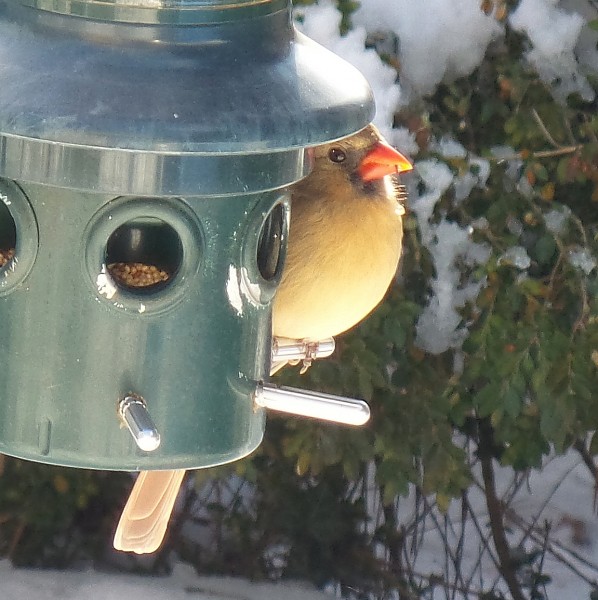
{"x":526,"y":362}
{"x":53,"y":516}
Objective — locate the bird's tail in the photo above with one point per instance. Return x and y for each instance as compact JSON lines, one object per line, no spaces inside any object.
{"x":145,"y":517}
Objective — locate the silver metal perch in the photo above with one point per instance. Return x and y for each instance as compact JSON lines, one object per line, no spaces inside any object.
{"x":318,"y":405}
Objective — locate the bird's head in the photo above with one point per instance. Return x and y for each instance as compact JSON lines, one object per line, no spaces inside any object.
{"x":362,"y":161}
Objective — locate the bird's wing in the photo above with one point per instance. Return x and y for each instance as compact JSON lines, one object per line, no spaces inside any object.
{"x":144,"y":520}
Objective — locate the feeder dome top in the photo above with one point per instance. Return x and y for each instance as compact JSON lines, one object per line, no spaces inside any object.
{"x":229,"y":76}
{"x":167,"y":97}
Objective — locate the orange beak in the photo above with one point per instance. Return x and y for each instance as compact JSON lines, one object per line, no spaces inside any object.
{"x":382,"y":160}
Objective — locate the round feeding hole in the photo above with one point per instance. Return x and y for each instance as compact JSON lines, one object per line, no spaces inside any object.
{"x":143,"y":255}
{"x":8,"y":235}
{"x":269,"y":247}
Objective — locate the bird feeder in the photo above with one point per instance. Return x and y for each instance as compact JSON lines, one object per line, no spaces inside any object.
{"x":153,"y":141}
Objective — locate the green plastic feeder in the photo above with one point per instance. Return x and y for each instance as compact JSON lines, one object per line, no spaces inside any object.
{"x":165,"y":134}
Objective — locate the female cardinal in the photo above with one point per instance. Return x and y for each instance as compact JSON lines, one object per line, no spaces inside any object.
{"x":343,"y":250}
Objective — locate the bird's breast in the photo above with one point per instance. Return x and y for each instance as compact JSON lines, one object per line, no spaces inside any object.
{"x":339,"y":265}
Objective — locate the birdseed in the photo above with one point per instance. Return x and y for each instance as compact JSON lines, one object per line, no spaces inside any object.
{"x":5,"y":256}
{"x":137,"y":274}
{"x":129,"y":274}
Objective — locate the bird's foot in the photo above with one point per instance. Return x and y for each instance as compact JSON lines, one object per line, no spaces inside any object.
{"x":306,"y":364}
{"x":312,"y":351}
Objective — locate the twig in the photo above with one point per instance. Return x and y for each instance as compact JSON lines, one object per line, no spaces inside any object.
{"x":544,"y":129}
{"x":545,"y":544}
{"x":495,"y":513}
{"x":570,"y":134}
{"x":521,"y":523}
{"x":484,"y":537}
{"x":449,"y":553}
{"x":557,"y":152}
{"x":439,"y":580}
{"x":547,"y":499}
{"x":461,"y":539}
{"x":577,"y":221}
{"x":395,"y":545}
{"x":539,"y":154}
{"x":580,"y":446}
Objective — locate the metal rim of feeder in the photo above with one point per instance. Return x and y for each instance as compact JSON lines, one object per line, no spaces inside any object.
{"x":162,"y":12}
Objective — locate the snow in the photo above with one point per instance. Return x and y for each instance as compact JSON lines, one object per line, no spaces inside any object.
{"x":449,"y":148}
{"x":560,"y":495}
{"x":516,"y":256}
{"x":556,"y":219}
{"x":183,"y":584}
{"x":437,"y":41}
{"x":553,"y":54}
{"x":438,"y":328}
{"x":436,"y":177}
{"x":438,"y":38}
{"x":321,"y":23}
{"x":582,"y":259}
{"x":475,"y":176}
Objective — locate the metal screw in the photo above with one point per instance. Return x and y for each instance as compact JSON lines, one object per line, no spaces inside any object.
{"x":136,"y":417}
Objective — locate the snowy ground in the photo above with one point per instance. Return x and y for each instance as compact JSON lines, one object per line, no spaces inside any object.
{"x":561,"y":495}
{"x":183,"y":584}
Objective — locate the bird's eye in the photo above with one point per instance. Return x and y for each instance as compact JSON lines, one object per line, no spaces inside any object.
{"x":336,"y":155}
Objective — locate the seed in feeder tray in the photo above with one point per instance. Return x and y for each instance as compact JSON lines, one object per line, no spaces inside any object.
{"x":6,"y":255}
{"x":137,"y":274}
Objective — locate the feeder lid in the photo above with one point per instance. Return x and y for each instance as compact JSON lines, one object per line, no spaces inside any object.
{"x":170,"y":76}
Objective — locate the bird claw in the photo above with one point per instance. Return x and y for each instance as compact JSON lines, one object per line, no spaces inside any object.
{"x":306,"y":364}
{"x":299,"y":352}
{"x":311,"y":353}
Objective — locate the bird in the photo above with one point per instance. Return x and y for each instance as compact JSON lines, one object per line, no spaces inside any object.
{"x":344,"y":245}
{"x":345,"y":238}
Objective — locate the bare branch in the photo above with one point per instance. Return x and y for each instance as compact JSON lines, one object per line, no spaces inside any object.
{"x":544,"y":129}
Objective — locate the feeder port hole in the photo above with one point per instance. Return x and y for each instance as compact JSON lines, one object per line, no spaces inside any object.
{"x":269,"y":247}
{"x":143,"y":255}
{"x":19,"y":237}
{"x":8,"y":234}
